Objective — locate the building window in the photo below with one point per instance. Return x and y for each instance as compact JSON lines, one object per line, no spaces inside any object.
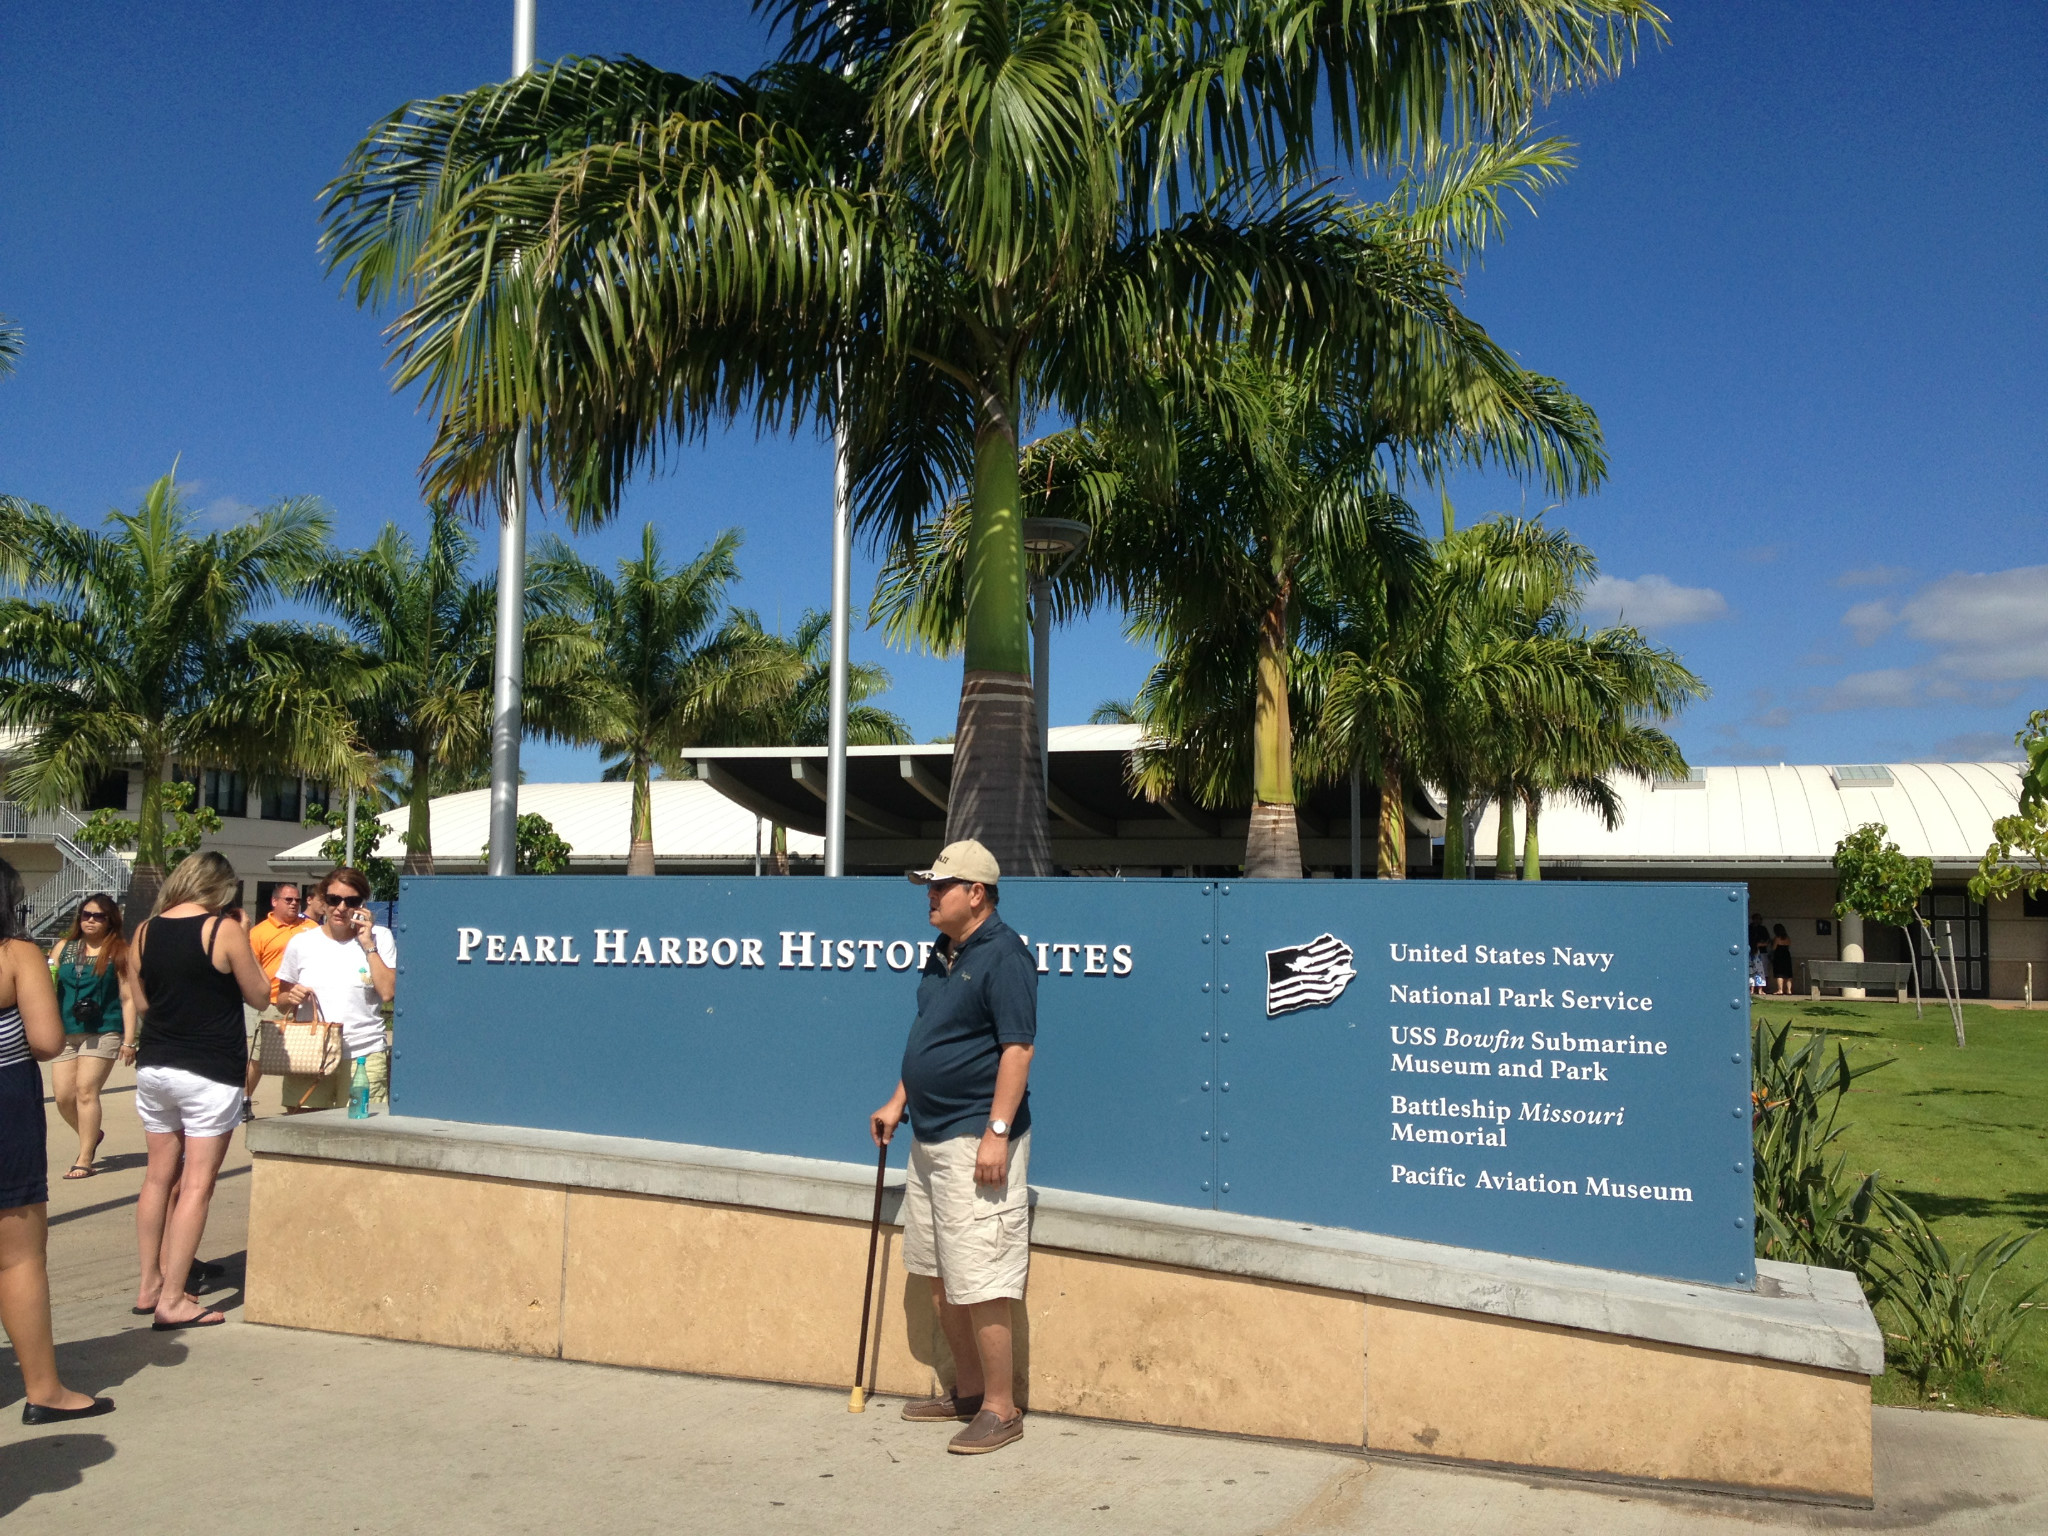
{"x":317,"y":794}
{"x":225,"y":792}
{"x":2034,"y":906}
{"x":109,"y":793}
{"x":279,"y":800}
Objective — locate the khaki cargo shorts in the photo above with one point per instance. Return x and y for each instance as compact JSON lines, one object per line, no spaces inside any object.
{"x":976,"y":1238}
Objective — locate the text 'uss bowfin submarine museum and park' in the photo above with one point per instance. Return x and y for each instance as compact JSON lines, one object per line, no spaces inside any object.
{"x":1448,"y":1169}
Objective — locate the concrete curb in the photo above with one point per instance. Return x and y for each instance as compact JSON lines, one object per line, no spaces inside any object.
{"x":1803,"y":1316}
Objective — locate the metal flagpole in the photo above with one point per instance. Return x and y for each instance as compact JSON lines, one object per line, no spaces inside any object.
{"x":842,"y":603}
{"x":508,"y":663}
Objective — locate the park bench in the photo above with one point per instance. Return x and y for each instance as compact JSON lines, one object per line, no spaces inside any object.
{"x":1872,"y":975}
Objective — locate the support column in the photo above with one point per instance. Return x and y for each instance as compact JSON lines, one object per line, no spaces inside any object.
{"x":1851,"y":930}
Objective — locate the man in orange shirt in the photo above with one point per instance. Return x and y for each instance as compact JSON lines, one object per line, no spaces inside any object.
{"x":268,"y":939}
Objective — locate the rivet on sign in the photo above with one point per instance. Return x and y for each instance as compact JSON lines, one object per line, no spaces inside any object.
{"x":1205,"y":1183}
{"x":1738,"y":1221}
{"x":1226,"y":938}
{"x":1205,"y":1087}
{"x":1226,"y":1186}
{"x":1735,"y":895}
{"x":1736,"y":1059}
{"x":1205,"y":1135}
{"x":1226,"y":986}
{"x":1737,"y":1111}
{"x":1205,"y":1034}
{"x":1205,"y":986}
{"x":1226,"y":1135}
{"x":1734,"y":1002}
{"x":1226,"y":1037}
{"x":1733,"y":949}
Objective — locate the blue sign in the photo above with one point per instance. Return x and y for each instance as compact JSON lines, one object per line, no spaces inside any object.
{"x":1557,"y":1070}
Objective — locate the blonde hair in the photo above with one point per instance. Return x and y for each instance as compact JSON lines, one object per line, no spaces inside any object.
{"x":205,"y":879}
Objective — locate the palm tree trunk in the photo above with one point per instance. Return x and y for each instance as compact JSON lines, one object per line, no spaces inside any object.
{"x":1393,"y":850}
{"x":1273,"y":846}
{"x":1532,"y":856}
{"x":1454,"y":833}
{"x":419,"y":820}
{"x":998,"y":791}
{"x":640,"y":854}
{"x":147,"y":877}
{"x":1504,"y":836}
{"x":778,"y":841}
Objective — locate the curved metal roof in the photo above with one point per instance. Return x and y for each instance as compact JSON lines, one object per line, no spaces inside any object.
{"x":694,"y":825}
{"x":1791,"y":814}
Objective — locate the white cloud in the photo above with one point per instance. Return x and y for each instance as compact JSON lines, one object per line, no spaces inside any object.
{"x":224,"y":512}
{"x":1887,"y":688}
{"x":1985,"y":627}
{"x":1651,"y":602}
{"x":1870,"y":621}
{"x":1873,"y":576}
{"x":1977,"y":747}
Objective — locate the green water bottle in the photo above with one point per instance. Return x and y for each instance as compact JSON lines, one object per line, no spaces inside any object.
{"x":359,"y":1091}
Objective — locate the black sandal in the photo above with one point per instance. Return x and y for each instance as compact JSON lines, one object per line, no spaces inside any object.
{"x":80,"y":1171}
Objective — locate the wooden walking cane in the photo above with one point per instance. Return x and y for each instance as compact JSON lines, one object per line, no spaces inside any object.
{"x":857,"y":1400}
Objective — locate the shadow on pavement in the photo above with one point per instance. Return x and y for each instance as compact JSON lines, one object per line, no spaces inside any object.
{"x":47,"y":1463}
{"x":97,"y":1366}
{"x":114,"y":1205}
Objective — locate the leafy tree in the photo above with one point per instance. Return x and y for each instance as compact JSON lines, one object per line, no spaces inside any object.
{"x":183,"y":831}
{"x":1874,"y":878}
{"x":142,"y":641}
{"x":930,"y":220}
{"x":664,"y":670}
{"x":537,"y":848}
{"x":2017,"y":860}
{"x":382,"y":873}
{"x":423,"y":629}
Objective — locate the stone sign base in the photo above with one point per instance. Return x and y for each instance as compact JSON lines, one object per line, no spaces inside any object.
{"x":726,"y":1263}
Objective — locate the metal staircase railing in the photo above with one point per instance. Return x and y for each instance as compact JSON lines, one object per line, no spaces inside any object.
{"x":81,"y":873}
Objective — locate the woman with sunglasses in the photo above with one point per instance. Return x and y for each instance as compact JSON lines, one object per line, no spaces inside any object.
{"x":90,"y":965}
{"x":348,"y":966}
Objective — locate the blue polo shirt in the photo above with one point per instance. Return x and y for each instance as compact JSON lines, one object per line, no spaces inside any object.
{"x":966,"y":1014}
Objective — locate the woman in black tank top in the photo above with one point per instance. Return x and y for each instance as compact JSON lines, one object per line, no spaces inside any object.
{"x":193,"y":972}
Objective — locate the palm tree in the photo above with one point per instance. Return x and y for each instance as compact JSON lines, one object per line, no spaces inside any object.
{"x":797,"y":712}
{"x":422,"y":628}
{"x":665,"y":672}
{"x":10,"y":346}
{"x":141,"y":642}
{"x":929,"y":220}
{"x":1486,"y":684}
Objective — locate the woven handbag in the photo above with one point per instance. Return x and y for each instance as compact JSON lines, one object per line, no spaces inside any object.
{"x":309,"y":1048}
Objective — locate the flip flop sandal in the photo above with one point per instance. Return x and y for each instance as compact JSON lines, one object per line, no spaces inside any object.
{"x":203,"y":1320}
{"x":80,"y":1171}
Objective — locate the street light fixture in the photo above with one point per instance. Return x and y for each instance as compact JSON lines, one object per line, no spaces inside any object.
{"x":1051,"y":544}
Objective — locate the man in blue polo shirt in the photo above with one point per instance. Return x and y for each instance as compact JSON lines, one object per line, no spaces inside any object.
{"x":966,"y":1213}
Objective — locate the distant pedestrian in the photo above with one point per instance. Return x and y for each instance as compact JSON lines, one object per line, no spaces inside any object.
{"x":1759,"y":955}
{"x":194,"y":972}
{"x":966,"y":1214}
{"x":1781,"y":961}
{"x":267,"y":941}
{"x":31,"y":1030}
{"x":348,"y":966}
{"x":90,"y":966}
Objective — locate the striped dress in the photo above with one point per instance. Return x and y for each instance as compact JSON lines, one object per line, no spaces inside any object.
{"x":24,"y":1169}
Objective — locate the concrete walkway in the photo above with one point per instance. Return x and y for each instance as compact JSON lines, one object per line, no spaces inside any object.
{"x":245,"y":1428}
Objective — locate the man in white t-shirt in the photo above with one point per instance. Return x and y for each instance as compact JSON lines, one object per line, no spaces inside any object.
{"x":347,"y":963}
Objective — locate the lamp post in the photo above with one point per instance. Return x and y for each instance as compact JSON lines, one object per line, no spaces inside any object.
{"x":842,"y":603}
{"x":1051,"y":544}
{"x":508,"y":662}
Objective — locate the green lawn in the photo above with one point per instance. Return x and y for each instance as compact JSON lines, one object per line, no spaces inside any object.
{"x":1964,"y":1136}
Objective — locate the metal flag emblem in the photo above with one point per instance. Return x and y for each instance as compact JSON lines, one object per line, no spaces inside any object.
{"x":1307,"y":975}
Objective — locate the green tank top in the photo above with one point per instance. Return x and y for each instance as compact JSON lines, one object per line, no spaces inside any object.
{"x":89,"y":1000}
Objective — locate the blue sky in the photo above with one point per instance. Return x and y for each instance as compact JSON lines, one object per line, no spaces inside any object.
{"x":1798,"y":272}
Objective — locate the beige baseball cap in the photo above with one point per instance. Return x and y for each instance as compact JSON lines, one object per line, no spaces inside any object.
{"x":964,"y":860}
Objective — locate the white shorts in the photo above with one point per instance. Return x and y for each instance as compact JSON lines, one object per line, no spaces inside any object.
{"x":975,"y":1237}
{"x":170,"y":1099}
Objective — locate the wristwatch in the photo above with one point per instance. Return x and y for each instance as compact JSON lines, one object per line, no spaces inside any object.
{"x":999,"y":1127}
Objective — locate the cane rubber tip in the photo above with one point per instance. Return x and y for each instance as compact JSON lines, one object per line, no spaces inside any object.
{"x":857,"y":1401}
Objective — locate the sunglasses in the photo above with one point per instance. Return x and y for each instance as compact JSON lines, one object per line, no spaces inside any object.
{"x":343,"y":901}
{"x":95,"y":917}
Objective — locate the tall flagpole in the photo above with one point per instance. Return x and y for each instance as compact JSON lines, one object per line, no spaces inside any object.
{"x":508,"y":663}
{"x":842,"y":604}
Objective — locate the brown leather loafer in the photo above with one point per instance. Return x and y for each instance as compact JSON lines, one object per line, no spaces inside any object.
{"x":940,"y":1409}
{"x":987,"y":1433}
